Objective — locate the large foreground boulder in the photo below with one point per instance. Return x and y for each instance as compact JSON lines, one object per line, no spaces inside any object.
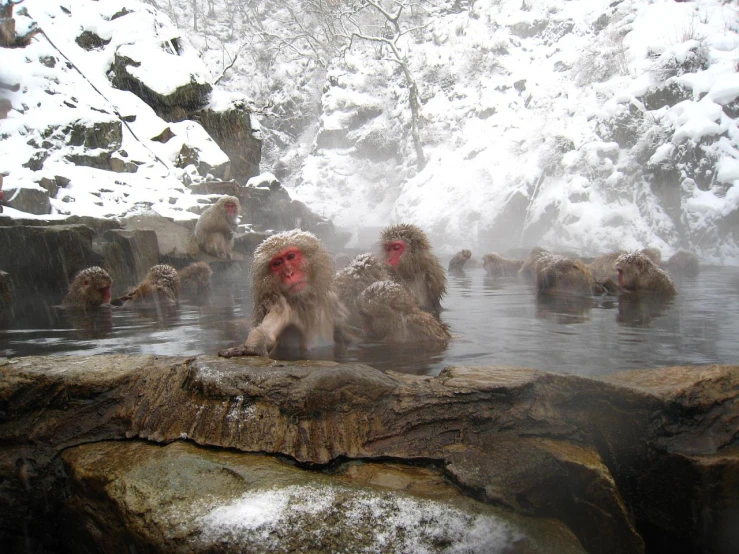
{"x":549,"y":446}
{"x":220,"y":501}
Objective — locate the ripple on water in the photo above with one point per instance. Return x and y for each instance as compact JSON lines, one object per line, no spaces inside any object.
{"x":493,"y":322}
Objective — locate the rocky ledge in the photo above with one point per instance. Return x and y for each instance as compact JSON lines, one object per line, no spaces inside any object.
{"x":211,"y":455}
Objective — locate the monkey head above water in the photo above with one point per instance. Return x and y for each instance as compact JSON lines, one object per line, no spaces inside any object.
{"x":497,"y":266}
{"x":637,"y":274}
{"x":390,"y":314}
{"x":215,"y":229}
{"x":90,"y":288}
{"x":292,"y":288}
{"x":407,"y":252}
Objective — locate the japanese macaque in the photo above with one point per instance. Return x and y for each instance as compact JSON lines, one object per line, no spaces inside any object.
{"x":360,"y":273}
{"x":293,"y":290}
{"x":557,"y":274}
{"x":407,"y":252}
{"x":604,"y":267}
{"x":456,"y":264}
{"x":390,"y":314}
{"x":90,"y":288}
{"x":530,"y":266}
{"x":497,"y":266}
{"x":215,"y":229}
{"x":159,"y":289}
{"x":195,"y":279}
{"x":683,"y":264}
{"x":637,"y":274}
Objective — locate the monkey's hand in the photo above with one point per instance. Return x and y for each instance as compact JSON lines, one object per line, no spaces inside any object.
{"x":242,"y":350}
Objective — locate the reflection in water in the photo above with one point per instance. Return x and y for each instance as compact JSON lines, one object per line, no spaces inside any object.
{"x":494,"y":322}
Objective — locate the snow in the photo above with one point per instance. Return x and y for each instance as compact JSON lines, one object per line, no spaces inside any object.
{"x":514,"y":122}
{"x":409,"y":524}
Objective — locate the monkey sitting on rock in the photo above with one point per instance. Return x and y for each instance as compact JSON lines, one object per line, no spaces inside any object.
{"x":215,"y":229}
{"x":391,"y":314}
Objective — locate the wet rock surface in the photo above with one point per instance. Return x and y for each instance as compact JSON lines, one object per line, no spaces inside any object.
{"x":617,"y":461}
{"x":220,"y":501}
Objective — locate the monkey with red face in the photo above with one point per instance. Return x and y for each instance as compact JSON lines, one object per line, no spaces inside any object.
{"x":292,"y":288}
{"x":407,"y":252}
{"x":215,"y":229}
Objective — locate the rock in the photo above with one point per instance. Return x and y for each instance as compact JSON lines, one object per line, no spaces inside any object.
{"x":190,"y":93}
{"x":175,"y":241}
{"x":29,"y":200}
{"x":233,"y":502}
{"x":59,"y":251}
{"x":687,"y":488}
{"x":129,"y":254}
{"x":232,"y":129}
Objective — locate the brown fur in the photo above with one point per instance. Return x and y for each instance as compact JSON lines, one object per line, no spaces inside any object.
{"x":604,"y":267}
{"x":215,"y":229}
{"x":638,"y":274}
{"x":360,"y":273}
{"x":316,"y":312}
{"x":683,"y":264}
{"x":557,"y":274}
{"x":85,"y":291}
{"x":195,"y":279}
{"x":160,"y":288}
{"x":419,"y":269}
{"x":391,"y":314}
{"x":459,"y":259}
{"x":497,"y":266}
{"x":530,"y":266}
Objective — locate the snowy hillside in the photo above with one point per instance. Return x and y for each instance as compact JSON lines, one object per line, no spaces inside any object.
{"x":586,"y":125}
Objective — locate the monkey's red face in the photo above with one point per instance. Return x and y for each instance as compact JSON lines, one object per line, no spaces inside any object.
{"x":231,"y":209}
{"x":393,"y":251}
{"x":287,"y":266}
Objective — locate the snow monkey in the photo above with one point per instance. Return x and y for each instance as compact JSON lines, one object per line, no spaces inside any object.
{"x":683,"y":264}
{"x":558,"y":274}
{"x":456,"y":264}
{"x":293,"y":290}
{"x":89,"y":289}
{"x":531,"y":265}
{"x":195,"y":279}
{"x":160,"y":289}
{"x":391,"y":314}
{"x":604,"y":267}
{"x":360,"y":273}
{"x":407,"y":252}
{"x":497,"y":266}
{"x":215,"y":229}
{"x":637,"y":273}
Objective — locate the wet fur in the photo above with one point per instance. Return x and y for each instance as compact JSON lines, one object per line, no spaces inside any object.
{"x":419,"y":269}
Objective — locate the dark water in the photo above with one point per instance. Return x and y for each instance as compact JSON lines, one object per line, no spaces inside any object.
{"x":500,"y":322}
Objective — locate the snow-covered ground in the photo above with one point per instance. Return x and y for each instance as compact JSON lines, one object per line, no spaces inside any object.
{"x":535,"y":116}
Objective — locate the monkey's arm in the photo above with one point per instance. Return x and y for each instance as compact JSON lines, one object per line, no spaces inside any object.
{"x":263,"y":338}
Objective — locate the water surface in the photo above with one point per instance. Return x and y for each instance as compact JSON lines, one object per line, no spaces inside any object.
{"x":495,"y":322}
